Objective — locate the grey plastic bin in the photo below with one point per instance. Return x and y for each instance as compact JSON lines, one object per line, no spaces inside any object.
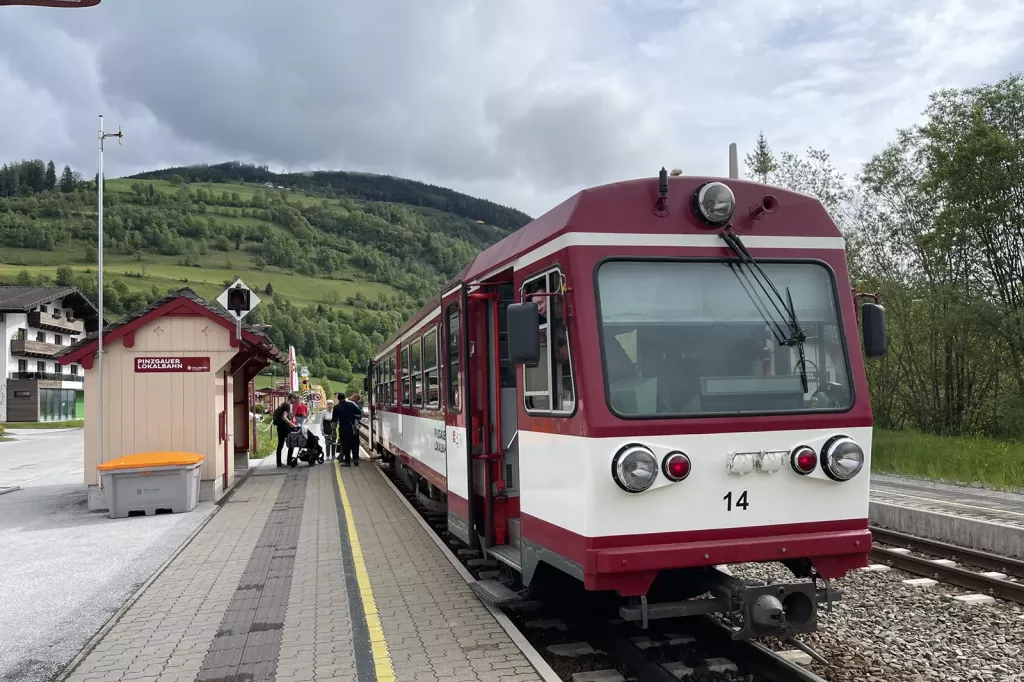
{"x":132,"y":485}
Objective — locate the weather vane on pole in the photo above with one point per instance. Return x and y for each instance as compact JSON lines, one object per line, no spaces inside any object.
{"x":99,"y":348}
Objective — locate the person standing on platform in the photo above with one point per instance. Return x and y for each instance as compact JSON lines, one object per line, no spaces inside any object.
{"x":284,"y":423}
{"x":301,"y":412}
{"x":328,"y":428}
{"x":346,"y":416}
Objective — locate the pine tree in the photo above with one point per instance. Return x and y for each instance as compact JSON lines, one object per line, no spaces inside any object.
{"x":51,"y":176}
{"x":761,"y":163}
{"x":67,"y":180}
{"x":268,"y":290}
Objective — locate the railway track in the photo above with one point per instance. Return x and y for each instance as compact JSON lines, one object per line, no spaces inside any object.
{"x":994,"y":580}
{"x":583,"y":645}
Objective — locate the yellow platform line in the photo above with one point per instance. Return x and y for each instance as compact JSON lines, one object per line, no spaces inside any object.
{"x":378,"y":644}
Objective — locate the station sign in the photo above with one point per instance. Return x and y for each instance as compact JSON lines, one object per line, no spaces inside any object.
{"x":165,"y":364}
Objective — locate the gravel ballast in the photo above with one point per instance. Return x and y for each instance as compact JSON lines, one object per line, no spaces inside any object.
{"x":885,"y":631}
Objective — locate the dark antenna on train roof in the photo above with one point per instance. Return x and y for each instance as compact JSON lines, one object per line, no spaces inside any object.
{"x":661,"y":206}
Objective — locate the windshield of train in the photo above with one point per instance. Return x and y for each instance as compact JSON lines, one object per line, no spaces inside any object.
{"x":690,"y":338}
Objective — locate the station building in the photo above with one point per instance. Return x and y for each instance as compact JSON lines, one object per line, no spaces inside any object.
{"x":176,"y":377}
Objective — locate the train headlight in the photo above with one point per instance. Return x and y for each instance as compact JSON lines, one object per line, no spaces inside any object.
{"x":841,"y":458}
{"x":634,"y":468}
{"x":714,"y":203}
{"x":676,"y":466}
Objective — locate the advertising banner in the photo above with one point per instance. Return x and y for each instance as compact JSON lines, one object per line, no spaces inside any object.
{"x":165,"y":364}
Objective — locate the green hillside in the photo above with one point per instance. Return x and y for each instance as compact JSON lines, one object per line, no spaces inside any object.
{"x":339,"y":259}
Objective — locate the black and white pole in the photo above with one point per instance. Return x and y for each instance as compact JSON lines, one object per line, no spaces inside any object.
{"x":99,"y":345}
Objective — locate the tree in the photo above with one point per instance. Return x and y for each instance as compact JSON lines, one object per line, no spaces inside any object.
{"x":761,"y":163}
{"x":67,"y":181}
{"x":51,"y":176}
{"x":24,"y":278}
{"x":269,"y":289}
{"x":92,"y":254}
{"x":177,"y":180}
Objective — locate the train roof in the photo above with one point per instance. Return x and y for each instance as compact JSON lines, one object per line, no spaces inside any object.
{"x":628,"y":206}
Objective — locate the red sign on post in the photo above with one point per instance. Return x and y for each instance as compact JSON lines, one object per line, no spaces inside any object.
{"x":161,"y":364}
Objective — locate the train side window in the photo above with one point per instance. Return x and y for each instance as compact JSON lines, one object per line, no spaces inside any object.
{"x":406,"y":393}
{"x":452,"y":335}
{"x":416,"y":367}
{"x":430,"y":387}
{"x":391,"y":378}
{"x":548,"y":385}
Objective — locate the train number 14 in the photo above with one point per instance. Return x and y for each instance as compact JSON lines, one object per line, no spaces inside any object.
{"x":741,"y":501}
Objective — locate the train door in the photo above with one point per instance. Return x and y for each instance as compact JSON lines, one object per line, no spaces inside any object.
{"x":494,"y":415}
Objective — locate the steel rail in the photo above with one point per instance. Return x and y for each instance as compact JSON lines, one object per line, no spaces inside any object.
{"x":749,"y":655}
{"x":1004,"y":589}
{"x":975,"y":557}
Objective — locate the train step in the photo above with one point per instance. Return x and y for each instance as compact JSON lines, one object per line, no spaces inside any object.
{"x":508,"y":555}
{"x":493,"y":592}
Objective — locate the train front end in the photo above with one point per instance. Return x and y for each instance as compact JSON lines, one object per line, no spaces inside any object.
{"x":723,"y":414}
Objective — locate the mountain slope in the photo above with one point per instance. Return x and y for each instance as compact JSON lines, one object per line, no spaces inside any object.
{"x":337,"y":272}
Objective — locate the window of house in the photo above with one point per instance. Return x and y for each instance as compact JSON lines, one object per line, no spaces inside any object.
{"x":69,"y":315}
{"x":41,"y":367}
{"x":43,"y":308}
{"x":452,"y":334}
{"x":58,"y":339}
{"x":74,"y":370}
{"x":41,"y":337}
{"x":548,"y":385}
{"x":406,"y":393}
{"x":22,"y":365}
{"x":416,"y":367}
{"x":430,"y":386}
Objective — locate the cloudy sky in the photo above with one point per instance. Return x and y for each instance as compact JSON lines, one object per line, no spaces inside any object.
{"x":519,"y":101}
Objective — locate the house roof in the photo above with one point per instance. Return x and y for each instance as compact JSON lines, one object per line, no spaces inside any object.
{"x":25,"y":298}
{"x":182,"y":298}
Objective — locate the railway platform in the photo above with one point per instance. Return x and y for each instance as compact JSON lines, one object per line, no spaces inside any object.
{"x":976,"y":518}
{"x":309,"y":574}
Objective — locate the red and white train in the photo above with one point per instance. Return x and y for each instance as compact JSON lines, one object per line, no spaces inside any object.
{"x":654,"y":378}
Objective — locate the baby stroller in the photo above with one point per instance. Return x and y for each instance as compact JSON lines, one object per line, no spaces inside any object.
{"x":308,"y":447}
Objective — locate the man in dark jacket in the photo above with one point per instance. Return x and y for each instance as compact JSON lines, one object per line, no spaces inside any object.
{"x":285,"y":422}
{"x":346,"y":415}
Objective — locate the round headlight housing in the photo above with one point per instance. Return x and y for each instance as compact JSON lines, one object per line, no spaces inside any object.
{"x":676,"y":466}
{"x":634,"y":468}
{"x":714,"y":203}
{"x":842,"y":458}
{"x":803,"y":460}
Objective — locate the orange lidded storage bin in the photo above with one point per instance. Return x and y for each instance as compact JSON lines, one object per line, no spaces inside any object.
{"x":151,"y":482}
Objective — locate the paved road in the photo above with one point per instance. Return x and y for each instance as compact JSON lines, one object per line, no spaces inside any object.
{"x":64,"y":570}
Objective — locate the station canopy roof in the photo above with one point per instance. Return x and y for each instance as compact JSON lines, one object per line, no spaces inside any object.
{"x":180,"y":301}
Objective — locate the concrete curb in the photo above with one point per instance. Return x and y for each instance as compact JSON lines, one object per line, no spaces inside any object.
{"x":98,"y":637}
{"x":987,"y":536}
{"x":9,"y":489}
{"x":532,"y":655}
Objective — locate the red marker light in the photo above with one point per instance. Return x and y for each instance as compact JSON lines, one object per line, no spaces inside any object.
{"x":804,"y":460}
{"x":676,"y":466}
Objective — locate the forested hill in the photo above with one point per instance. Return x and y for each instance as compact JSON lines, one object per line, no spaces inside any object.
{"x":340,"y":259}
{"x":338,"y":184}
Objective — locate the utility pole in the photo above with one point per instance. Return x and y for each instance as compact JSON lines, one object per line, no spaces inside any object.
{"x":99,"y":347}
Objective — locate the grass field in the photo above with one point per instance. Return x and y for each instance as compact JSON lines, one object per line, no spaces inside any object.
{"x":992,"y":463}
{"x":73,"y":424}
{"x":207,"y":280}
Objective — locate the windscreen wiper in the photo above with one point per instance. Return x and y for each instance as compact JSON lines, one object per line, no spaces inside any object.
{"x":785,"y":326}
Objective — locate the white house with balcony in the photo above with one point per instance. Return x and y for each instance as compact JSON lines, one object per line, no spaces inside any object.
{"x":37,"y":323}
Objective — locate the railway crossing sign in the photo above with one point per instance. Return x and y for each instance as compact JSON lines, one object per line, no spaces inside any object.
{"x":239,"y":300}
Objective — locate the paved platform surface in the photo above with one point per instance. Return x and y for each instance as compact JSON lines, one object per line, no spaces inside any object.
{"x":972,"y":517}
{"x":308,"y":574}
